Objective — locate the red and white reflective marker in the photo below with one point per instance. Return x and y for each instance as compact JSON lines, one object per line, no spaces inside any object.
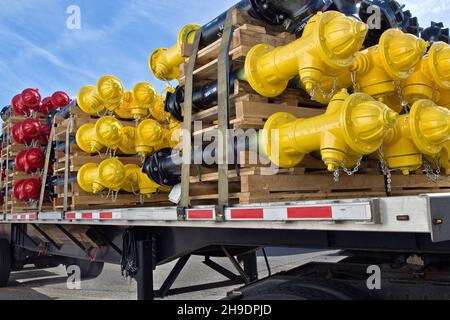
{"x":91,"y":216}
{"x":361,"y":211}
{"x":22,"y":217}
{"x":338,"y":212}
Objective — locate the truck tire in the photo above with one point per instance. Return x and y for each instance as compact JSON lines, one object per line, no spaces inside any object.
{"x":46,"y":265}
{"x":321,"y":290}
{"x":89,"y":269}
{"x":5,"y":262}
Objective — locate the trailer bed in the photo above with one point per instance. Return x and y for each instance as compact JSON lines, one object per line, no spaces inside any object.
{"x":425,"y":214}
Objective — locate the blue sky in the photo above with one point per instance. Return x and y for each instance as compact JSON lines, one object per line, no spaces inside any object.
{"x":116,"y":37}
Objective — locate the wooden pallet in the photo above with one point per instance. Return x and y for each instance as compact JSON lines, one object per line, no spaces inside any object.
{"x":81,"y":200}
{"x":15,"y":206}
{"x":83,"y":118}
{"x":78,"y":159}
{"x":78,"y":121}
{"x":415,"y":184}
{"x":257,"y":185}
{"x":248,"y":33}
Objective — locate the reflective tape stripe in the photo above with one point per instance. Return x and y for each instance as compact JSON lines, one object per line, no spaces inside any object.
{"x":200,"y":214}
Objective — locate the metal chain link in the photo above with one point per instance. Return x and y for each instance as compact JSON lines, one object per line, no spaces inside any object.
{"x":349,"y":172}
{"x":355,"y":169}
{"x":354,"y":83}
{"x":404,"y":103}
{"x":330,"y":94}
{"x":313,"y":93}
{"x":336,"y":175}
{"x":385,"y":170}
{"x":433,"y":176}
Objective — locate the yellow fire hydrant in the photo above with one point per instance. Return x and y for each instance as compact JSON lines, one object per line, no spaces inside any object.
{"x":165,"y":63}
{"x":139,"y":182}
{"x":108,"y":175}
{"x":111,"y":91}
{"x":378,"y":68}
{"x":152,"y":135}
{"x":107,"y":132}
{"x":326,"y":49}
{"x":353,"y":126}
{"x":422,"y":132}
{"x":430,"y":76}
{"x":444,"y":99}
{"x":89,"y":101}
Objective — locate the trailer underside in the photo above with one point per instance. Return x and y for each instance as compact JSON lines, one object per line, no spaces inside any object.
{"x":385,"y":227}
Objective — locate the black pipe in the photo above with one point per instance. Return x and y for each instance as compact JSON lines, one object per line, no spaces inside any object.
{"x":5,"y":113}
{"x":203,"y":97}
{"x":61,"y":113}
{"x":206,"y":96}
{"x":61,"y":146}
{"x":164,"y":166}
{"x":292,"y":14}
{"x":59,"y":181}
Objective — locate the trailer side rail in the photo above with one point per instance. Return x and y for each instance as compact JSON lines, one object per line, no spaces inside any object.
{"x":426,"y":213}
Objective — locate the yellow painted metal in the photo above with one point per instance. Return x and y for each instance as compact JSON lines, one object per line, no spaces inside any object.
{"x":128,"y":139}
{"x":139,"y":182}
{"x":378,"y":68}
{"x":422,"y":132}
{"x":173,"y":133}
{"x":87,"y":139}
{"x":107,"y":132}
{"x":152,"y":135}
{"x":89,"y":100}
{"x":111,"y":91}
{"x":165,"y":63}
{"x":149,"y":136}
{"x":353,"y":125}
{"x":137,"y":102}
{"x":131,"y":183}
{"x":108,"y":175}
{"x":124,"y":111}
{"x":86,"y":177}
{"x":325,"y":51}
{"x":444,"y":156}
{"x":431,"y":75}
{"x":157,"y":110}
{"x":444,"y":98}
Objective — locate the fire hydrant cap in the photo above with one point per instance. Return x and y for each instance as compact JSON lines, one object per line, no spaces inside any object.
{"x":430,"y":126}
{"x":400,"y":53}
{"x":109,"y":131}
{"x":111,"y":91}
{"x":86,"y":100}
{"x":111,"y":174}
{"x":365,"y":122}
{"x":439,"y":64}
{"x":85,"y":177}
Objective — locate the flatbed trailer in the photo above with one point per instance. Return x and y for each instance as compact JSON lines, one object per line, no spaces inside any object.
{"x":382,"y":231}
